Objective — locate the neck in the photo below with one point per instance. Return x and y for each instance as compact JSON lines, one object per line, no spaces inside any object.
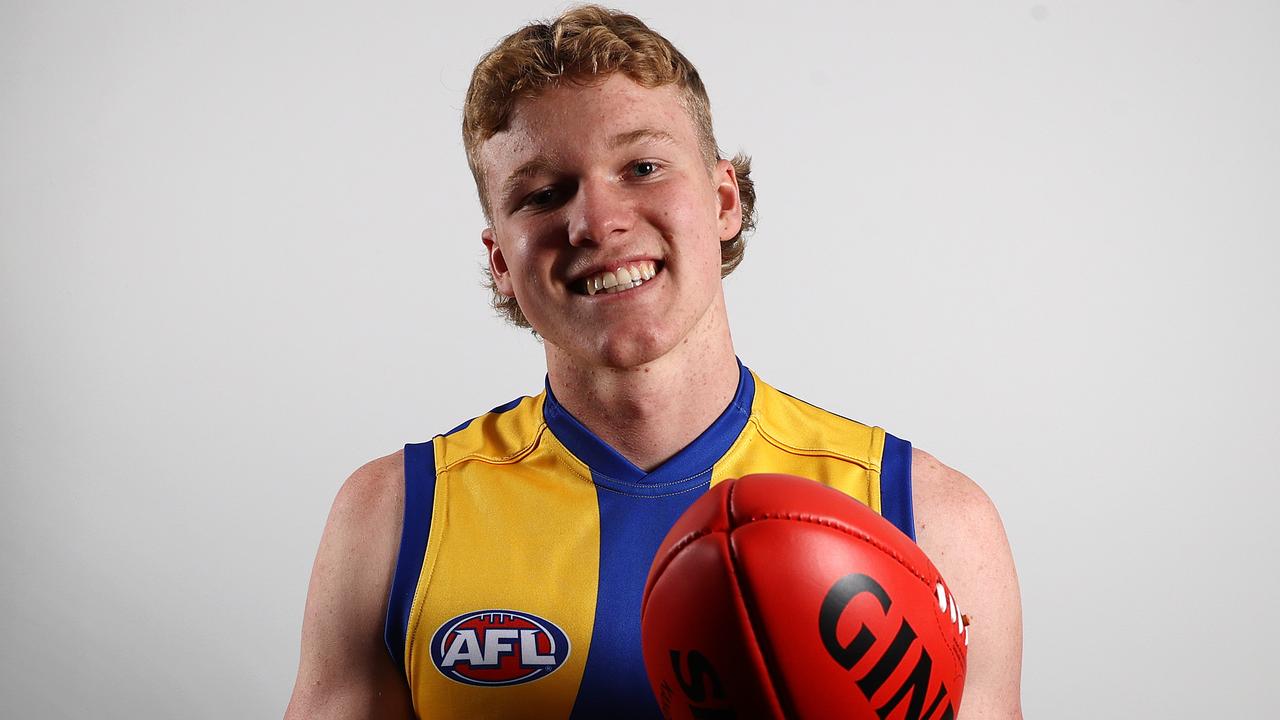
{"x":652,"y":411}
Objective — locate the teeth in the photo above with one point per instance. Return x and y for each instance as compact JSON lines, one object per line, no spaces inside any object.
{"x":623,"y":278}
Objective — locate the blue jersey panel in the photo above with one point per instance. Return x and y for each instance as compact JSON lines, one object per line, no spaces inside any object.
{"x":419,"y":492}
{"x":614,"y":684}
{"x":895,"y":485}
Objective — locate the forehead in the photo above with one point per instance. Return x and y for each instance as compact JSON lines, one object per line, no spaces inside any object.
{"x":569,"y":119}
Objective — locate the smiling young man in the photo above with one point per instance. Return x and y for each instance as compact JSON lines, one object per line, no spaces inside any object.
{"x":496,"y":571}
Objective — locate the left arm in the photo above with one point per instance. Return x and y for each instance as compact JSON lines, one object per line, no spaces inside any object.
{"x":959,"y":529}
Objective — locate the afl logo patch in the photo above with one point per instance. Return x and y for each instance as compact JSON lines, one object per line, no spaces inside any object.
{"x":498,"y":647}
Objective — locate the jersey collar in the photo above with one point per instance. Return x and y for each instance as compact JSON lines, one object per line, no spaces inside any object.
{"x":610,"y":468}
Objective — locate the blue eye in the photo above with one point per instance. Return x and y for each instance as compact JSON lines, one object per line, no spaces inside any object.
{"x":644,"y":167}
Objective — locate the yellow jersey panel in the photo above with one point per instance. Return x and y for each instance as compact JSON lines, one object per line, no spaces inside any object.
{"x":786,"y":435}
{"x":536,"y":555}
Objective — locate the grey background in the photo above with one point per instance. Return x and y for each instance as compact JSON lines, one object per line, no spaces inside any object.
{"x":240,"y":257}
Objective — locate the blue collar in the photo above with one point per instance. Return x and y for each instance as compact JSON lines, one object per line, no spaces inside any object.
{"x":687,"y":467}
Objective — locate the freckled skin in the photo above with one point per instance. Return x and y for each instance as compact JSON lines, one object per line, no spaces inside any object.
{"x":606,"y":211}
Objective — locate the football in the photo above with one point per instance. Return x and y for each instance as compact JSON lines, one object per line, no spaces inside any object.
{"x":778,"y":597}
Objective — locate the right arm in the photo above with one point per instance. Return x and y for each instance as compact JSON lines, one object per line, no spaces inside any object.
{"x":345,"y":671}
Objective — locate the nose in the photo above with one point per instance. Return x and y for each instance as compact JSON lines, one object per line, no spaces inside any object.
{"x":598,"y":212}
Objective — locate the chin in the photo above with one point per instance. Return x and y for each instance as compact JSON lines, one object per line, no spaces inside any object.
{"x":621,"y":352}
{"x":629,"y":353}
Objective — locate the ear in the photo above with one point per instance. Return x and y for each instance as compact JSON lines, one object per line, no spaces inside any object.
{"x":497,"y":263}
{"x":730,"y":203}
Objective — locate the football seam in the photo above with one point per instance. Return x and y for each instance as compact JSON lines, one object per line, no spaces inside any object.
{"x":840,"y":527}
{"x":746,"y":593}
{"x":680,"y":545}
{"x":689,"y":539}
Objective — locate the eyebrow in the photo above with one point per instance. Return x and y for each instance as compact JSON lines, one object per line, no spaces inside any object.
{"x":544,"y":164}
{"x":642,"y":134}
{"x":533,"y":167}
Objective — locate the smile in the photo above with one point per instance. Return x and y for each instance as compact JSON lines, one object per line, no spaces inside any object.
{"x":624,"y":278}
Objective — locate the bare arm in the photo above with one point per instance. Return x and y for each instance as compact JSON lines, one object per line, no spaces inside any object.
{"x":345,"y":671}
{"x":960,"y":530}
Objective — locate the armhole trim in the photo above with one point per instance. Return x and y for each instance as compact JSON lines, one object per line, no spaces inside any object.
{"x":895,"y":485}
{"x":419,"y":495}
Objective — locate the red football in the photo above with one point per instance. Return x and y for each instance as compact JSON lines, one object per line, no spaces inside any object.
{"x":777,"y":597}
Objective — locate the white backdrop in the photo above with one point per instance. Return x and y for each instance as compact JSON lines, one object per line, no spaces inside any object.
{"x":240,"y":256}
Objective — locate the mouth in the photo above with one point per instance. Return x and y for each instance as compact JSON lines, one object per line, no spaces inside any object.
{"x":627,"y":276}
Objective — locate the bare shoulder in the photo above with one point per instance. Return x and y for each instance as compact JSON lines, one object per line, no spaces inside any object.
{"x":960,"y":529}
{"x":949,"y":507}
{"x":345,"y":670}
{"x":362,"y":535}
{"x":372,"y":498}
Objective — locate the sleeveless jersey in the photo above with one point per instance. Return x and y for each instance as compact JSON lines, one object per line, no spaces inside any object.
{"x":527,"y":541}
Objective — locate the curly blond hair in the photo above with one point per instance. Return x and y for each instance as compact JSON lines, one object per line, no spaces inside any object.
{"x":586,"y":42}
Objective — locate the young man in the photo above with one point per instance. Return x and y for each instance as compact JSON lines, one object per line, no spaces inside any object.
{"x":497,"y":570}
